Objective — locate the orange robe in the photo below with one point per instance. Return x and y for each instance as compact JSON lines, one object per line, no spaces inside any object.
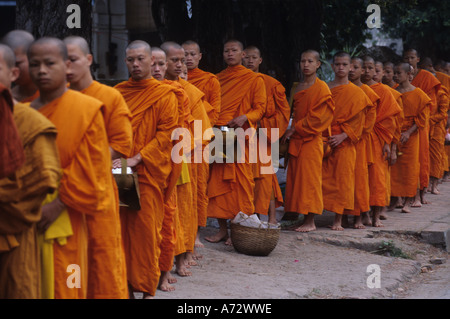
{"x":277,"y":116}
{"x":209,"y":84}
{"x":21,"y":197}
{"x":172,"y":235}
{"x":199,"y":181}
{"x":154,"y":110}
{"x":405,"y":172}
{"x":313,"y":113}
{"x":364,"y":156}
{"x":445,"y":81}
{"x":383,"y":132}
{"x":338,"y":169}
{"x":31,"y":98}
{"x":86,"y":186}
{"x":430,"y":85}
{"x":106,"y":259}
{"x":231,"y":185}
{"x":440,"y":130}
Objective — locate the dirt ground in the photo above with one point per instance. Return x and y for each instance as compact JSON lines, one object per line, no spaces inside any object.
{"x":317,"y":266}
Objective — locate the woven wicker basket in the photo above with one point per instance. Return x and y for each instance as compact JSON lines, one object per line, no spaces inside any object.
{"x":254,"y":241}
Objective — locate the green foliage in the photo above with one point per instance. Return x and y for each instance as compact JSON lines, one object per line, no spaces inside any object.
{"x":388,"y":248}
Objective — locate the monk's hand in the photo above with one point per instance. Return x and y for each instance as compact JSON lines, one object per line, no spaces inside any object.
{"x":50,"y":212}
{"x":393,"y":156}
{"x":238,"y":121}
{"x":287,"y":135}
{"x":134,"y":161}
{"x":335,"y":140}
{"x":387,"y":152}
{"x":117,"y":163}
{"x":404,"y":137}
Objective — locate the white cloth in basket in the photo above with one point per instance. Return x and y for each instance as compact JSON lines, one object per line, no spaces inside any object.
{"x":252,"y":221}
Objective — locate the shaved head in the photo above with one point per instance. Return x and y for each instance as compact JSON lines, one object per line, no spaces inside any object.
{"x":166,"y":46}
{"x":413,"y":51}
{"x":357,"y":60}
{"x":52,"y":41}
{"x":368,"y":59}
{"x":253,"y":48}
{"x":342,"y":54}
{"x":79,"y":42}
{"x":18,"y":40}
{"x":406,"y":67}
{"x":239,"y":43}
{"x":313,"y":52}
{"x":138,"y":44}
{"x":191,"y":43}
{"x":8,"y":56}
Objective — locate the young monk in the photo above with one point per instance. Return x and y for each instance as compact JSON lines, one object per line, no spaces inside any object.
{"x":313,"y":108}
{"x":188,"y":202}
{"x":364,"y":156}
{"x":23,"y":188}
{"x":154,"y":110}
{"x":108,"y":277}
{"x":24,"y":89}
{"x":172,"y":242}
{"x":209,"y":84}
{"x":86,"y":186}
{"x":388,"y":75}
{"x":428,"y":155}
{"x":338,"y":169}
{"x":268,"y":194}
{"x":405,"y":172}
{"x":243,"y":103}
{"x":395,"y":139}
{"x":384,"y":129}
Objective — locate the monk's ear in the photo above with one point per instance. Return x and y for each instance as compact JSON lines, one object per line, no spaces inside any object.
{"x":199,"y":56}
{"x":318,"y":64}
{"x":15,"y":72}
{"x":90,"y":58}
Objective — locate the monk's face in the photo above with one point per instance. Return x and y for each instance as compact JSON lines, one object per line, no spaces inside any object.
{"x":184,"y":73}
{"x":22,"y":64}
{"x":368,"y":71}
{"x":233,"y":54}
{"x":355,"y":71}
{"x":400,"y":75}
{"x":139,"y":62}
{"x":388,"y":74}
{"x":309,"y":63}
{"x":159,"y":66}
{"x":80,"y":63}
{"x":341,"y":66}
{"x":48,"y":68}
{"x":175,"y":62}
{"x":411,"y":58}
{"x":192,"y":56}
{"x":7,"y":75}
{"x":378,"y":72}
{"x":252,"y":60}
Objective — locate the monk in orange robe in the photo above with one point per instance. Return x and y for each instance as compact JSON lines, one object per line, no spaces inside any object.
{"x":208,"y":83}
{"x":363,"y":147}
{"x":405,"y":172}
{"x":379,"y":74}
{"x":154,"y":111}
{"x":268,"y":195}
{"x":106,"y":257}
{"x":23,"y":187}
{"x":382,"y":135}
{"x":313,"y":109}
{"x":188,"y":199}
{"x":388,"y":75}
{"x":24,"y":89}
{"x":428,"y":156}
{"x":86,"y":186}
{"x":243,"y":103}
{"x":172,"y":242}
{"x":338,"y":168}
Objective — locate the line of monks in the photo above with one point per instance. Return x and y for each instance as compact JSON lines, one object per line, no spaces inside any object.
{"x":355,"y":146}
